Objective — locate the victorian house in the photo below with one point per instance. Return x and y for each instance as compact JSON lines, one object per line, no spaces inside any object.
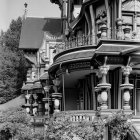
{"x":97,"y":63}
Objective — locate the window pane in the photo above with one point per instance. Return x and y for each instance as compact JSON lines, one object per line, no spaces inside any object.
{"x":138,"y":20}
{"x":128,"y":19}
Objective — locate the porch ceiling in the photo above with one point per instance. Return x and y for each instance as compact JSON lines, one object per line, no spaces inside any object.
{"x":72,"y":56}
{"x":71,"y":79}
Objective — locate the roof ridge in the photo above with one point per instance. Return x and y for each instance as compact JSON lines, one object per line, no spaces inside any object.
{"x":44,"y":17}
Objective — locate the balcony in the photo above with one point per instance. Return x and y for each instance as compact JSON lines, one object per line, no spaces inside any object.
{"x":76,"y":42}
{"x":92,"y":40}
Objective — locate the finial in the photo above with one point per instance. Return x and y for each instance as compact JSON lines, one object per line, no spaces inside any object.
{"x":105,"y":60}
{"x":25,"y":4}
{"x":25,"y":12}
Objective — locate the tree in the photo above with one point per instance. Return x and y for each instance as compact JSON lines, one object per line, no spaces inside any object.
{"x":12,"y":36}
{"x":13,"y":65}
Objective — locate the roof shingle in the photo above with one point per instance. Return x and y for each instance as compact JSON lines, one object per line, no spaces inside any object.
{"x":32,"y":32}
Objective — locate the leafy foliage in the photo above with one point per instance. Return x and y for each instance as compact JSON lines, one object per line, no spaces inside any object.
{"x":61,"y":128}
{"x":119,"y":124}
{"x":13,"y":65}
{"x":11,"y":38}
{"x":15,"y":123}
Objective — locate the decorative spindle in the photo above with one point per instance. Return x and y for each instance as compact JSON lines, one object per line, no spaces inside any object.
{"x":103,"y":29}
{"x":103,"y":87}
{"x":127,"y":35}
{"x":120,"y":34}
{"x":126,"y":87}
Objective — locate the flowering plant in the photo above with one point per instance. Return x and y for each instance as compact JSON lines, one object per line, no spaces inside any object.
{"x":119,"y":124}
{"x":61,"y":128}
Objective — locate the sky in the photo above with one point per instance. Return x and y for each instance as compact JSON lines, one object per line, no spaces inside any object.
{"x":12,"y":9}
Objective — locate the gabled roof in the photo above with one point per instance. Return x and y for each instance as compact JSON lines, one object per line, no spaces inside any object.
{"x":32,"y":32}
{"x":53,"y":26}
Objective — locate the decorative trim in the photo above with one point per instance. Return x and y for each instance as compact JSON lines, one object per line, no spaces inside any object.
{"x":74,"y":67}
{"x":50,"y":37}
{"x":130,"y":5}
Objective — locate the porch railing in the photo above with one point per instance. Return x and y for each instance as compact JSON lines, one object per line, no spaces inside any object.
{"x":80,"y":115}
{"x":90,"y":40}
{"x":88,"y":115}
{"x":75,"y":42}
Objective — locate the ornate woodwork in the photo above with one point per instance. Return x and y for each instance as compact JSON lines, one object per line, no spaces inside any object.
{"x":131,"y":5}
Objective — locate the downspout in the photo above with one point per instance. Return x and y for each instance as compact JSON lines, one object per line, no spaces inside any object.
{"x":108,"y":18}
{"x":63,"y":83}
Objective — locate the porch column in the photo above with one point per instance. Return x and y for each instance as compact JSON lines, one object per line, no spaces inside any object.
{"x":103,"y":29}
{"x":103,"y":87}
{"x":126,"y":87}
{"x":56,"y":95}
{"x":120,"y":9}
{"x":89,"y":23}
{"x":92,"y":14}
{"x":108,"y":18}
{"x":119,"y":22}
{"x":57,"y":101}
{"x":65,"y":15}
{"x":47,"y":54}
{"x":120,"y":34}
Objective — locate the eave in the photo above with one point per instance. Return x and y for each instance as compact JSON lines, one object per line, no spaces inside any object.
{"x":117,"y":51}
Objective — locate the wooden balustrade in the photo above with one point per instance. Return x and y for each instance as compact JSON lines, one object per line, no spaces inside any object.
{"x":89,"y":40}
{"x":80,"y":115}
{"x":88,"y":115}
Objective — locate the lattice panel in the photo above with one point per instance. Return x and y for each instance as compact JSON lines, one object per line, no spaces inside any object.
{"x":131,"y":5}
